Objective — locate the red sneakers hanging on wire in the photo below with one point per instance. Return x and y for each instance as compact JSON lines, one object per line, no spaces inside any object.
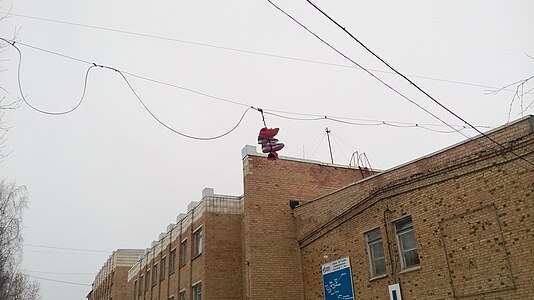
{"x":269,"y":143}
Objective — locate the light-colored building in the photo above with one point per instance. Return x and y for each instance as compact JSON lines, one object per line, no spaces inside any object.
{"x":111,"y":281}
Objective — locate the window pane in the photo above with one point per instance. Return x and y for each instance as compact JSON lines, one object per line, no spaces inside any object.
{"x":197,"y":292}
{"x":183,"y":253}
{"x":403,"y":224}
{"x":411,"y":258}
{"x":198,"y":242}
{"x":373,"y":235}
{"x":380,"y":266}
{"x":408,"y":240}
{"x":407,"y":243}
{"x":172,"y":262}
{"x":377,"y":251}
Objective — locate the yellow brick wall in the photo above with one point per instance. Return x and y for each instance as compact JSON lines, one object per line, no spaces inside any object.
{"x":273,"y":267}
{"x":472,"y":210}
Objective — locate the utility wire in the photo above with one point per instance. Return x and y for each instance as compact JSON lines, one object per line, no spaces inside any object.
{"x":132,"y":74}
{"x":57,"y":273}
{"x":65,"y":248}
{"x":65,"y":253}
{"x":237,"y":50}
{"x":60,"y":281}
{"x":277,"y":113}
{"x":375,"y":123}
{"x":393,"y":89}
{"x":12,"y":43}
{"x":415,"y":85}
{"x":363,"y":68}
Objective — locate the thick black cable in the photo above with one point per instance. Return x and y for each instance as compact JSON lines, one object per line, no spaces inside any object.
{"x":238,"y":50}
{"x":415,"y":85}
{"x":363,"y":68}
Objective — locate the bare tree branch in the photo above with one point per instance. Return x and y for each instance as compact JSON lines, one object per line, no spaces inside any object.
{"x":14,"y":284}
{"x":519,"y":94}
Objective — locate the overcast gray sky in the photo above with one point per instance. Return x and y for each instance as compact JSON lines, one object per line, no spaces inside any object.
{"x":108,"y":176}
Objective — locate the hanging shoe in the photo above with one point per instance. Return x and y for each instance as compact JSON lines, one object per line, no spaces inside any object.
{"x":272,"y":156}
{"x":266,"y":148}
{"x":267,"y":140}
{"x":268,"y":132}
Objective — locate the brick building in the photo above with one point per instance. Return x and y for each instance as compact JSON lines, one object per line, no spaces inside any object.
{"x":194,"y":256}
{"x":455,"y":224}
{"x":111,"y":281}
{"x":223,"y":246}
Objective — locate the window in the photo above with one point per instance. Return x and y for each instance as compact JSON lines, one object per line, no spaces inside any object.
{"x":376,"y":252}
{"x":183,"y":253}
{"x":172,"y":262}
{"x":140,"y":286}
{"x":135,"y":289}
{"x":406,"y":243}
{"x":182,"y":295}
{"x":147,"y":279}
{"x":197,"y":291}
{"x":155,"y":274}
{"x":162,"y":268}
{"x":197,"y":239}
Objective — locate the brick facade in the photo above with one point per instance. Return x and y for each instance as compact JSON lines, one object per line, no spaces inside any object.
{"x":471,"y":207}
{"x":272,"y":254}
{"x":217,"y":266}
{"x":111,"y":282}
{"x":456,"y":224}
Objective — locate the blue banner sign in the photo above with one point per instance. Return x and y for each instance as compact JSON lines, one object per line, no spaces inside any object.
{"x":337,"y":280}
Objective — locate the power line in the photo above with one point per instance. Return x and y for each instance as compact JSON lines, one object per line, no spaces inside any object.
{"x":132,"y":74}
{"x":363,"y":68}
{"x":277,"y":113}
{"x":239,"y":50}
{"x":414,"y":84}
{"x":60,"y":281}
{"x":66,"y":248}
{"x":65,"y":253}
{"x":12,"y":43}
{"x":58,"y":273}
{"x":375,"y":123}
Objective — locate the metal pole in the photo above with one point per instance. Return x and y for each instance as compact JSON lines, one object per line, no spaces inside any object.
{"x":329,"y":145}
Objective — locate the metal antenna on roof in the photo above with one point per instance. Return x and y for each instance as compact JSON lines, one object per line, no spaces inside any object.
{"x":329,"y":145}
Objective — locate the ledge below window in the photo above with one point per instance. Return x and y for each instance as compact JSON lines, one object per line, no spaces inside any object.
{"x":411,"y":269}
{"x":378,"y":277}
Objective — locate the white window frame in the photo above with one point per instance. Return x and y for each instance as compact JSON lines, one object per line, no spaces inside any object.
{"x":163,"y":267}
{"x":197,"y":246}
{"x":173,"y":263}
{"x":193,"y":287}
{"x":372,"y":260}
{"x":400,"y":245}
{"x":182,"y":253}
